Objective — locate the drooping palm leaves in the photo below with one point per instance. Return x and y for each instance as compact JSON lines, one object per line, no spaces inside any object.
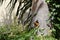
{"x":1,"y":1}
{"x":23,"y":6}
{"x":10,"y":7}
{"x":26,"y":6}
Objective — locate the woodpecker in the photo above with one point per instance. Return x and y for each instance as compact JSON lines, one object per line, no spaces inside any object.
{"x":36,"y":23}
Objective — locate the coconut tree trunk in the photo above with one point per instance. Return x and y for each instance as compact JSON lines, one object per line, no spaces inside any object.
{"x":40,"y":8}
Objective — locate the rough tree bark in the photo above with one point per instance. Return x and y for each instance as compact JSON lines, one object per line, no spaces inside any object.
{"x":40,"y":8}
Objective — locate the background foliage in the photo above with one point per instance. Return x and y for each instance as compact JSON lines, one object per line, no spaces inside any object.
{"x":54,"y":8}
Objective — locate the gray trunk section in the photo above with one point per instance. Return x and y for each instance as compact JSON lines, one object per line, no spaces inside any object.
{"x":42,"y":17}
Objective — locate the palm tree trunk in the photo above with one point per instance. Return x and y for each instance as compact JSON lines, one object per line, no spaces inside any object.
{"x":40,"y":8}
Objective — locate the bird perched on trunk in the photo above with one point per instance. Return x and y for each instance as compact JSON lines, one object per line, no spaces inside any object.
{"x":36,"y":23}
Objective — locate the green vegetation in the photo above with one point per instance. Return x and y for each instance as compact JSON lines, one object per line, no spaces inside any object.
{"x":54,"y":7}
{"x":14,"y":32}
